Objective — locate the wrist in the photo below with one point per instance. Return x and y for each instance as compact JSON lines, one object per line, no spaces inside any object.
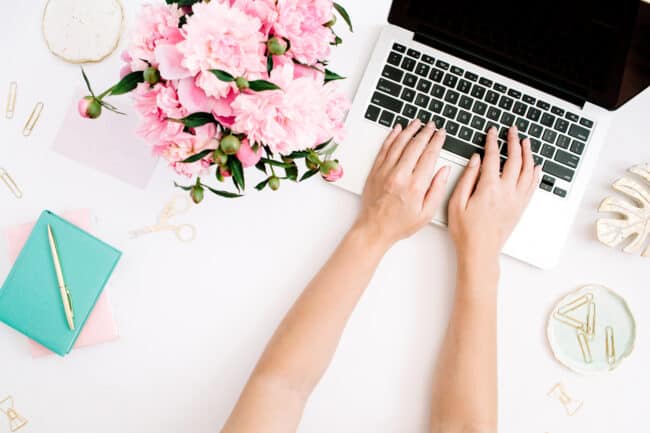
{"x":371,"y":236}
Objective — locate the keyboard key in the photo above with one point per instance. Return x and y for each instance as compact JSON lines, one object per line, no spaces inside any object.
{"x":450,"y":80}
{"x":485,"y":82}
{"x":504,"y":149}
{"x":503,"y":133}
{"x":563,"y":141}
{"x":452,"y":127}
{"x":478,"y":91}
{"x":422,"y":69}
{"x":394,"y":58}
{"x":522,"y":124}
{"x":450,"y":111}
{"x":392,"y":73}
{"x":535,"y":145}
{"x":547,"y":151}
{"x":389,"y":87}
{"x":442,"y":65}
{"x":502,"y":163}
{"x":413,"y":53}
{"x":492,"y":97}
{"x":549,"y":136}
{"x":465,"y":102}
{"x":478,"y":123}
{"x":459,"y":147}
{"x":451,"y":96}
{"x":436,"y":75}
{"x":466,"y":133}
{"x":422,"y":100}
{"x":493,"y":113}
{"x":471,"y":76}
{"x":579,"y":132}
{"x":402,"y":121}
{"x":543,"y":105}
{"x":559,"y":192}
{"x":372,"y":113}
{"x":424,"y":116}
{"x":387,"y":102}
{"x":386,"y":118}
{"x":491,"y":124}
{"x":439,"y":121}
{"x":533,"y":114}
{"x":424,"y":85}
{"x":479,"y":107}
{"x":399,"y":48}
{"x":547,"y":183}
{"x":519,"y":108}
{"x":558,"y":171}
{"x":586,"y":123}
{"x":547,"y":119}
{"x":557,"y":111}
{"x":408,"y":94}
{"x":410,"y":80}
{"x":561,"y":125}
{"x":464,"y":117}
{"x":464,"y":86}
{"x":572,"y":117}
{"x":500,"y":88}
{"x":436,"y":105}
{"x":479,"y":139}
{"x":505,"y":102}
{"x":408,"y":64}
{"x":577,"y":147}
{"x":507,"y":119}
{"x":410,"y":111}
{"x":428,"y":59}
{"x":535,"y":130}
{"x":567,"y":158}
{"x":437,"y":91}
{"x":514,"y":93}
{"x":528,"y":99}
{"x":537,"y":160}
{"x":456,"y":70}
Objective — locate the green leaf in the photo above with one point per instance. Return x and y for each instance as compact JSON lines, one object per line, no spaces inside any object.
{"x":195,"y":120}
{"x":260,"y":186}
{"x":197,"y":157}
{"x":269,"y":64}
{"x":344,"y":14}
{"x":184,"y":188}
{"x":309,"y":174}
{"x":276,"y":163}
{"x":83,"y":73}
{"x":332,"y":76}
{"x":323,"y":145}
{"x":298,"y":154}
{"x":223,"y":75}
{"x":262,"y":85}
{"x":128,"y":83}
{"x":292,"y":172}
{"x":237,"y":173}
{"x":183,"y":2}
{"x":337,"y":40}
{"x":221,"y":193}
{"x":261,"y":166}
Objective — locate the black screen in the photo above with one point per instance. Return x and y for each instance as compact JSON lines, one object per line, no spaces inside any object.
{"x":573,"y":48}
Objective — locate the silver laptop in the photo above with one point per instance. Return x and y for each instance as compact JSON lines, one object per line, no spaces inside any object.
{"x":552,"y":68}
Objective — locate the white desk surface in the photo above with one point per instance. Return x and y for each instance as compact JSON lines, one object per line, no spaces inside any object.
{"x":194,"y":318}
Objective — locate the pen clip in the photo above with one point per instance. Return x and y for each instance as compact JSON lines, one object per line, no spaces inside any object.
{"x":67,"y":294}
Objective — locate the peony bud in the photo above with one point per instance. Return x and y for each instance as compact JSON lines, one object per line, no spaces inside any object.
{"x":312,"y":165}
{"x":331,"y":171}
{"x":197,"y":193}
{"x":274,"y":183}
{"x":230,"y":144}
{"x":89,"y":107}
{"x":242,"y":83}
{"x":219,"y":157}
{"x":224,"y":172}
{"x":276,"y":46}
{"x":151,"y":75}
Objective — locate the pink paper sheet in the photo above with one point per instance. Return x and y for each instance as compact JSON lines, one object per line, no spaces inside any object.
{"x":100,"y":326}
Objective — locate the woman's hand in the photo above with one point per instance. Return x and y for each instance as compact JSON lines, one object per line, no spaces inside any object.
{"x":403,"y":190}
{"x":486,"y":206}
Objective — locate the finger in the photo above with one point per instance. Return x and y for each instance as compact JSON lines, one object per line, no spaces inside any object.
{"x":512,"y":169}
{"x":436,"y":193}
{"x":527,"y":167}
{"x":490,"y":168}
{"x":415,"y":147}
{"x":426,"y":165}
{"x":467,"y":182}
{"x":383,"y":151}
{"x":399,"y":143}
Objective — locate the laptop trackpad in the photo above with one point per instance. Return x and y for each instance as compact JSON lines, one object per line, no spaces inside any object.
{"x":454,"y":175}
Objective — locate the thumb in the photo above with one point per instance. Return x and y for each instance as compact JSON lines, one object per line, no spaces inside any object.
{"x":467,"y":182}
{"x":436,"y":191}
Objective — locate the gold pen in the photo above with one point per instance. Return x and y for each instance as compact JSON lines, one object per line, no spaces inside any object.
{"x":65,"y":293}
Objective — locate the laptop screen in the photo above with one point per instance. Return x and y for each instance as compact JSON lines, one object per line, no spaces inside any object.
{"x":573,"y":48}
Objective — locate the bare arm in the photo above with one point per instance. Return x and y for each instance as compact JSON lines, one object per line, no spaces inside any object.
{"x":401,"y":195}
{"x":483,"y":211}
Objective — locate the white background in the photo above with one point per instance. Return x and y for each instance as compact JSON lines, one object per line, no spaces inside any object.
{"x":194,"y":318}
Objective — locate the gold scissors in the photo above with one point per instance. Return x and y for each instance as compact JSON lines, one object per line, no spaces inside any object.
{"x":184,"y":232}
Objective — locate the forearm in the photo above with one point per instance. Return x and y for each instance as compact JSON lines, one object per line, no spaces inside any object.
{"x":465,"y":386}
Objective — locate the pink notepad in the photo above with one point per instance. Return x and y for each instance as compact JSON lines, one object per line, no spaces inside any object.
{"x":100,"y":326}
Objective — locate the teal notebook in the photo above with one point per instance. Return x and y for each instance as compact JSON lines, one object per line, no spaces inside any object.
{"x":30,"y":301}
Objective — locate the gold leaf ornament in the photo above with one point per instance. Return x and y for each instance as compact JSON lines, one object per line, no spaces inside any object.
{"x":633,"y":211}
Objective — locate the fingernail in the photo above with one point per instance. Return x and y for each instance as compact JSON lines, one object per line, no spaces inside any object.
{"x":514,"y":129}
{"x":431,"y":125}
{"x":417,"y":121}
{"x":473,"y":161}
{"x":442,"y":130}
{"x":493,"y":129}
{"x":397,"y":126}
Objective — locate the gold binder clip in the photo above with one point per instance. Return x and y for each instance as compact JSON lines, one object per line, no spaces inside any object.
{"x":570,"y":321}
{"x":576,"y":303}
{"x":584,"y":347}
{"x":16,"y":421}
{"x":11,"y":100}
{"x":4,"y":176}
{"x":33,"y":118}
{"x":610,"y":350}
{"x":571,"y":405}
{"x":591,"y":321}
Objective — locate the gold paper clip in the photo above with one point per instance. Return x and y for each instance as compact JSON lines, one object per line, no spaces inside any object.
{"x":4,"y":176}
{"x":568,"y":320}
{"x":11,"y":100}
{"x":570,"y":404}
{"x":33,"y":118}
{"x":576,"y":303}
{"x":591,"y":321}
{"x":610,"y":350}
{"x":584,"y":347}
{"x":16,"y":421}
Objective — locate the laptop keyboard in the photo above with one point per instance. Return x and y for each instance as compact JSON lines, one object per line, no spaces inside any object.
{"x":414,"y":84}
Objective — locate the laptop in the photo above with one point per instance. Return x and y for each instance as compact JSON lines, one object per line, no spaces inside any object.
{"x":553,"y":68}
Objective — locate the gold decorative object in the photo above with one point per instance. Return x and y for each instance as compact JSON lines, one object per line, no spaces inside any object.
{"x":82,"y":31}
{"x":184,"y":232}
{"x":635,"y":213}
{"x":610,"y":350}
{"x":7,"y":180}
{"x":559,"y":393}
{"x":33,"y":119}
{"x":11,"y":100}
{"x":16,"y":421}
{"x":584,"y":347}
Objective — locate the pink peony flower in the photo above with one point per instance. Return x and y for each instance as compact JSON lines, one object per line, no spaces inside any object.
{"x":155,"y":104}
{"x":218,"y":36}
{"x":247,"y":155}
{"x":170,"y":61}
{"x":264,"y":10}
{"x":302,"y":23}
{"x":157,"y":24}
{"x":185,"y":145}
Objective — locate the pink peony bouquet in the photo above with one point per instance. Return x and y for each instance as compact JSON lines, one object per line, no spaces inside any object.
{"x":225,"y":85}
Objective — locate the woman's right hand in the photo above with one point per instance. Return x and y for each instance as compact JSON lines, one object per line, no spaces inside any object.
{"x":486,"y":206}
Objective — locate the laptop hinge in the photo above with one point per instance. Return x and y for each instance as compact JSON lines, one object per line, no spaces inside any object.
{"x":500,"y":68}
